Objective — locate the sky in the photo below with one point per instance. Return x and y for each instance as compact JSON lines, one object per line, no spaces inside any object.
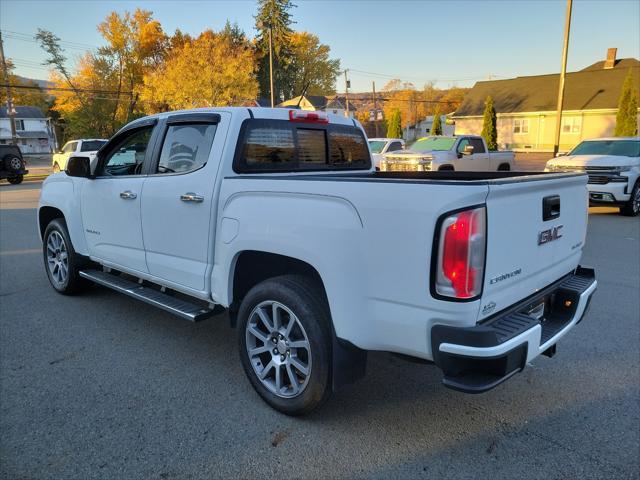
{"x":451,"y":43}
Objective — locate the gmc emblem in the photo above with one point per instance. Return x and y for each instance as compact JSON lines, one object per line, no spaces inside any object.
{"x":550,"y":235}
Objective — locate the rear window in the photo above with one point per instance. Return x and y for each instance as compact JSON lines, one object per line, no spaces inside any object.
{"x":91,"y":145}
{"x":280,"y":146}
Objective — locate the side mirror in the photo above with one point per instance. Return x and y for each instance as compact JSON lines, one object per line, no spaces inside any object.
{"x":560,"y":154}
{"x":468,"y":150}
{"x":79,"y":167}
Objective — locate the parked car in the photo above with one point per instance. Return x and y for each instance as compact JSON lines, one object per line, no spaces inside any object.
{"x":380,"y":146}
{"x":460,"y":153}
{"x":12,"y":164}
{"x":87,"y":146}
{"x":278,"y":216}
{"x":613,"y":165}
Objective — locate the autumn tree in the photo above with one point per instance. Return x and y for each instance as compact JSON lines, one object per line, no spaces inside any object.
{"x":436,"y":126}
{"x":403,"y":97}
{"x":32,"y":96}
{"x":394,"y":128}
{"x":274,"y":18}
{"x":212,"y":70}
{"x":627,"y":116}
{"x":489,"y":128}
{"x":312,"y":66}
{"x":137,"y":44}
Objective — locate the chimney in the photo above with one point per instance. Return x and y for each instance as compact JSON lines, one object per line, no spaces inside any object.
{"x":610,"y":62}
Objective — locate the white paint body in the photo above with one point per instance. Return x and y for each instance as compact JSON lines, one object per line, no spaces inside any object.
{"x":369,"y":239}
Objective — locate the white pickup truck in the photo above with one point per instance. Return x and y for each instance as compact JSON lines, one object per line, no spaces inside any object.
{"x":278,"y":216}
{"x":613,"y":165}
{"x":468,"y":153}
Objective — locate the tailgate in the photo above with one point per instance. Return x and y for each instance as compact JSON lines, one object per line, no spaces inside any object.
{"x":529,"y":243}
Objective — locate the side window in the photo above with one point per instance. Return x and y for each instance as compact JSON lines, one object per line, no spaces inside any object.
{"x":70,"y":147}
{"x":128,"y":155}
{"x":269,"y":146}
{"x":478,"y":145}
{"x":395,"y":146}
{"x":348,"y":146}
{"x":186,"y":147}
{"x":463,"y":143}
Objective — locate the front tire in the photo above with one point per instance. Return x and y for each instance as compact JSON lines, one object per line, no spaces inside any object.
{"x":15,"y":180}
{"x":61,"y":261}
{"x":284,"y":337}
{"x":632,"y":207}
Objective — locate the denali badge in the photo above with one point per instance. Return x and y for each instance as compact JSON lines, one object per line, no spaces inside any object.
{"x":504,"y":276}
{"x":550,"y":235}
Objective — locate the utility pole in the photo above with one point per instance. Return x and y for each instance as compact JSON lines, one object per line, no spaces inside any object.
{"x":271,"y":66}
{"x":346,"y":92}
{"x":11,"y":113}
{"x":375,"y":109}
{"x":563,"y":71}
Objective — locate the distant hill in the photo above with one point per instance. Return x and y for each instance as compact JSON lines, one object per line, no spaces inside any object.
{"x":41,"y":83}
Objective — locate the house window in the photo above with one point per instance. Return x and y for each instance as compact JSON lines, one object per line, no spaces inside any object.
{"x":19,"y":124}
{"x":571,"y":124}
{"x":521,"y":125}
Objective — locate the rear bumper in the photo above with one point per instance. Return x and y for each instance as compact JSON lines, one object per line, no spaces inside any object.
{"x":477,"y":359}
{"x":7,"y":174}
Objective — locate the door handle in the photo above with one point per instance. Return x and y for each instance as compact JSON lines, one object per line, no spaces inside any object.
{"x":128,"y":195}
{"x":191,"y":197}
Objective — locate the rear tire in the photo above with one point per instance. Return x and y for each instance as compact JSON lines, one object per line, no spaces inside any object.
{"x":632,"y":207}
{"x":504,"y":167}
{"x":15,"y":180}
{"x":287,"y":361}
{"x":61,"y":261}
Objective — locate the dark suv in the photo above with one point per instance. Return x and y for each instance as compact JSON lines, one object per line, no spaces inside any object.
{"x":12,"y":165}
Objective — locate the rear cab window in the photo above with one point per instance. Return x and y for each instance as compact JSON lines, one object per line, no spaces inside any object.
{"x":267,"y":145}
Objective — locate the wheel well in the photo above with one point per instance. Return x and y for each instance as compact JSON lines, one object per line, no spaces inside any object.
{"x":504,"y":167}
{"x":45,"y":216}
{"x":252,"y":267}
{"x":446,"y":167}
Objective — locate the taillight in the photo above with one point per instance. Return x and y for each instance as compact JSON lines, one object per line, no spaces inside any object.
{"x":461,"y":254}
{"x":308,"y":117}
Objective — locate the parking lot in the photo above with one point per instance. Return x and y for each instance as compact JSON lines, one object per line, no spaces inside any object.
{"x":102,"y":386}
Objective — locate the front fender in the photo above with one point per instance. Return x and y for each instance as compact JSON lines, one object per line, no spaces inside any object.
{"x":63,"y":193}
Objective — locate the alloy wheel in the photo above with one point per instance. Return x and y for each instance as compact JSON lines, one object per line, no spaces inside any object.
{"x":278,"y":349}
{"x":57,"y":258}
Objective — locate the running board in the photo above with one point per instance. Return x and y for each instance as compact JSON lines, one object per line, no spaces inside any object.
{"x":181,"y":308}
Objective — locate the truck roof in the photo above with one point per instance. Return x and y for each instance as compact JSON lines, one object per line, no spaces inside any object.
{"x":258,"y":112}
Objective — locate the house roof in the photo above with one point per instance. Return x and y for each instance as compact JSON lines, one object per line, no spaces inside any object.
{"x":317,"y":101}
{"x":339,"y":103}
{"x":23,"y":112}
{"x":588,"y":89}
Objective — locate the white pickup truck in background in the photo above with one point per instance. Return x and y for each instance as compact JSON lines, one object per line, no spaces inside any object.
{"x":279,"y":217}
{"x":467,"y":153}
{"x":380,"y":146}
{"x":613,"y":165}
{"x":85,"y":146}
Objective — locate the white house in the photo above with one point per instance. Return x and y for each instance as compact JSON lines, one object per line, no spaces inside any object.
{"x":423,"y":128}
{"x":34,"y":131}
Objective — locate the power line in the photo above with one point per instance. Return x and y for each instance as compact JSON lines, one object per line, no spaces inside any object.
{"x":62,"y":89}
{"x":31,"y":38}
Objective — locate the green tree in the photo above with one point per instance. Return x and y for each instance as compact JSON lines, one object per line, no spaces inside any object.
{"x":274,"y":16}
{"x":489,"y":128}
{"x":436,"y":127}
{"x":627,"y":117}
{"x":394,"y":126}
{"x":311,"y":65}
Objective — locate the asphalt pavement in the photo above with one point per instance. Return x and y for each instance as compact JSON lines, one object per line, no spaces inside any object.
{"x":102,"y":386}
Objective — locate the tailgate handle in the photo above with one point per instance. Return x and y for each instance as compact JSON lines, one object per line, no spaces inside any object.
{"x":550,"y":207}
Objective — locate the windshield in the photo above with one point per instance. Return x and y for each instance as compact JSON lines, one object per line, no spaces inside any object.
{"x":433,"y":144}
{"x":618,"y":148}
{"x":376,"y":146}
{"x":91,"y":145}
